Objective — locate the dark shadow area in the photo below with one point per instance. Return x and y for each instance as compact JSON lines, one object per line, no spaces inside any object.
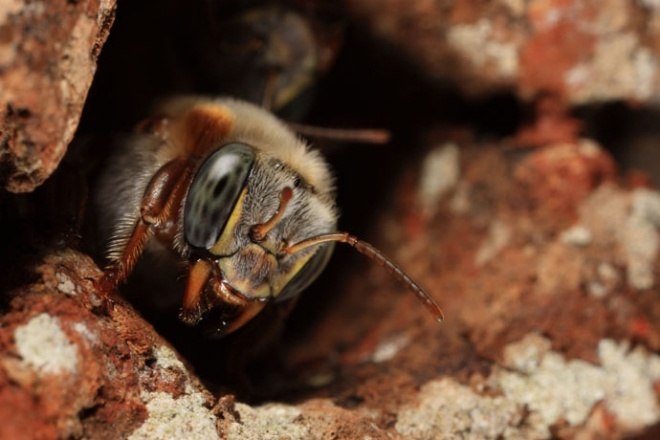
{"x":630,"y":133}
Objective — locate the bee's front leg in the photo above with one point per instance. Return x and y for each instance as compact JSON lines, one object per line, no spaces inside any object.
{"x":160,"y":202}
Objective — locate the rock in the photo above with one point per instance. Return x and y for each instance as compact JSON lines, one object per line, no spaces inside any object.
{"x":76,"y":372}
{"x":48,"y":55}
{"x":586,"y":51}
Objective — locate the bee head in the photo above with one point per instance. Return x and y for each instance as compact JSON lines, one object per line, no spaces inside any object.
{"x":243,"y":210}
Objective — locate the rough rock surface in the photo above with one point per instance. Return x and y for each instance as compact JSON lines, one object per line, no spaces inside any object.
{"x":48,"y":54}
{"x":587,"y":51}
{"x":67,"y":370}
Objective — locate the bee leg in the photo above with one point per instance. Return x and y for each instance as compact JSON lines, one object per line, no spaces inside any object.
{"x":163,"y":194}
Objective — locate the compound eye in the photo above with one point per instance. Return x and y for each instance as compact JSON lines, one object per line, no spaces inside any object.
{"x":308,"y":273}
{"x":214,"y":192}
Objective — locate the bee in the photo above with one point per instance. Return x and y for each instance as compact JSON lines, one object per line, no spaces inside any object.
{"x":247,"y":207}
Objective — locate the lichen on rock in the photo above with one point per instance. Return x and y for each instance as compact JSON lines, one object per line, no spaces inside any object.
{"x":43,"y":346}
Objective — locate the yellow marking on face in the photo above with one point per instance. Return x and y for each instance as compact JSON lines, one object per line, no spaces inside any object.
{"x":222,"y":246}
{"x":279,"y":283}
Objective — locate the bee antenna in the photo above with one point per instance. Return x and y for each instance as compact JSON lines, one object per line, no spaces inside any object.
{"x":371,"y":252}
{"x":269,"y":89}
{"x":364,"y":136}
{"x":259,"y":232}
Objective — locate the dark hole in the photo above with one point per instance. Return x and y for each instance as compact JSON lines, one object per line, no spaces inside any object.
{"x":89,"y":412}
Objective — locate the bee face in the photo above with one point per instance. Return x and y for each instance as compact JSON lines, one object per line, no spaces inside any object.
{"x":238,"y":188}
